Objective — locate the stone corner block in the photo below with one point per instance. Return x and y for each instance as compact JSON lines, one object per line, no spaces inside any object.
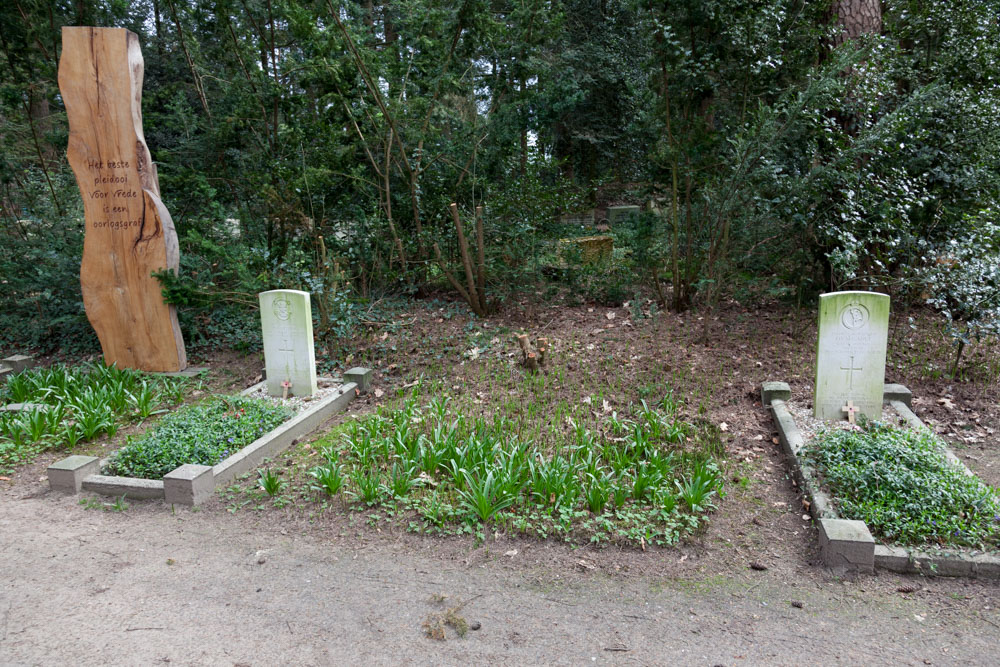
{"x":5,"y":371}
{"x":847,"y":545}
{"x":897,"y":392}
{"x":18,"y":362}
{"x":770,"y":391}
{"x":362,"y":377}
{"x":188,"y":485}
{"x":68,"y":475}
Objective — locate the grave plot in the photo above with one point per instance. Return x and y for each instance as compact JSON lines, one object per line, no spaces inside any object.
{"x":884,"y":490}
{"x":544,"y":454}
{"x":184,"y":456}
{"x":187,"y":454}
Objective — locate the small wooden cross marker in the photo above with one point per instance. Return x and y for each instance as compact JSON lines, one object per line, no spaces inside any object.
{"x":286,"y":385}
{"x":850,"y":410}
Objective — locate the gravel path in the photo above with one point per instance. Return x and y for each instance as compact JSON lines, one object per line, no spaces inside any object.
{"x":148,"y":586}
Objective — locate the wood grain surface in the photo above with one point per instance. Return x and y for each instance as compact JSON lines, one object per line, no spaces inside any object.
{"x":129,"y":233}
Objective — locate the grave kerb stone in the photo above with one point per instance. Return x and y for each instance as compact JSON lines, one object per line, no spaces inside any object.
{"x":18,"y":362}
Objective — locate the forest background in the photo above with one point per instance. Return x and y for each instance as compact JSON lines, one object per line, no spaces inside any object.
{"x":779,"y":148}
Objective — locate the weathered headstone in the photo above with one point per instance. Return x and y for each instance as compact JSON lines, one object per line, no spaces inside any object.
{"x":129,"y":233}
{"x":583,"y":218}
{"x":286,"y":322}
{"x":621,"y":213}
{"x":591,"y":249}
{"x":850,"y":359}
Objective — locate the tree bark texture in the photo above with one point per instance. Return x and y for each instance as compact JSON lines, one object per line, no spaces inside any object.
{"x":856,"y":18}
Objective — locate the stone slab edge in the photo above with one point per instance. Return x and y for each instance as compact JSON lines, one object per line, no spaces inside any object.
{"x":792,"y":442}
{"x":275,"y":442}
{"x":895,"y":559}
{"x":130,"y":487}
{"x":189,"y":372}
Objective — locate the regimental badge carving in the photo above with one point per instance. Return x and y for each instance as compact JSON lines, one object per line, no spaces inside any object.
{"x":282,"y":308}
{"x":854,"y":316}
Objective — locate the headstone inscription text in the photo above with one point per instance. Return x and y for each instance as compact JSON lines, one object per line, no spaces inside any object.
{"x":129,"y":233}
{"x":289,"y":356}
{"x":850,"y":359}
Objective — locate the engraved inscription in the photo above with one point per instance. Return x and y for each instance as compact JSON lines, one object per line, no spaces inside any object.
{"x":850,"y":373}
{"x":114,"y":189}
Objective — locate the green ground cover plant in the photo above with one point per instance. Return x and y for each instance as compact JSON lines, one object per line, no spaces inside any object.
{"x":900,"y":483}
{"x":76,"y":404}
{"x":645,"y":478}
{"x":204,"y":434}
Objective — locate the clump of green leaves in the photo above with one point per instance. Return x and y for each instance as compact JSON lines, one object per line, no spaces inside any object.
{"x":270,"y":482}
{"x":204,"y":434}
{"x":636,"y":480}
{"x":900,"y":483}
{"x":76,"y":404}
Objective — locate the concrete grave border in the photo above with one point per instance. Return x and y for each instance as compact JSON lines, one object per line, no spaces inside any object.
{"x":847,"y":545}
{"x":193,"y":484}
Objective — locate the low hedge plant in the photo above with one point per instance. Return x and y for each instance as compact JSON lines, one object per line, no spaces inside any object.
{"x":204,"y":434}
{"x":901,"y":484}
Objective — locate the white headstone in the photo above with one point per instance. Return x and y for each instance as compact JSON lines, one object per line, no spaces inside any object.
{"x":289,"y":357}
{"x":850,"y":360}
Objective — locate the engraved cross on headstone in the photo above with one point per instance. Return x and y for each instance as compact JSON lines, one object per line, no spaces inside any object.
{"x":850,"y":372}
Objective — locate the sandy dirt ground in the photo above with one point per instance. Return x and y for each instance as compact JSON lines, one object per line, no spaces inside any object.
{"x":149,"y":586}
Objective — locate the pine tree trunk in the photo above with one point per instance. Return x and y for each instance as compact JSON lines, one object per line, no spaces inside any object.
{"x":856,"y":18}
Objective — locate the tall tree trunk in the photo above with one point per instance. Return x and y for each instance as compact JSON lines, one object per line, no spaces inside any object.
{"x":524,"y":128}
{"x":856,"y":18}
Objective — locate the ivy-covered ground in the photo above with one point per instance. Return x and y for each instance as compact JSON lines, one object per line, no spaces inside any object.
{"x":901,"y":484}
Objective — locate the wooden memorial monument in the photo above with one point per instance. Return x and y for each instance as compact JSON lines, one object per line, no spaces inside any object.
{"x":129,"y":233}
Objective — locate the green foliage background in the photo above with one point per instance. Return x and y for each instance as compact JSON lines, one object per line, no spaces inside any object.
{"x":316,"y":144}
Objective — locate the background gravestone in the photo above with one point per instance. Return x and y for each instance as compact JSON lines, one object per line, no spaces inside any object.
{"x":129,"y":233}
{"x":850,"y":360}
{"x":286,"y":323}
{"x":618,"y":214}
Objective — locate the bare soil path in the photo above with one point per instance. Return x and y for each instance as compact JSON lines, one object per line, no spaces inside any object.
{"x":147,"y":586}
